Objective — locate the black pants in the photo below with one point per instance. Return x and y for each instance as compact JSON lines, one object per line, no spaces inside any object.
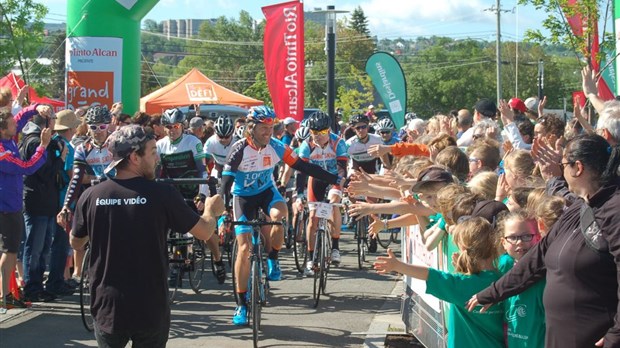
{"x":139,"y":339}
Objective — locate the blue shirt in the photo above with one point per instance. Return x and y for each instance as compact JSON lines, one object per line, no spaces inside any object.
{"x":326,"y":157}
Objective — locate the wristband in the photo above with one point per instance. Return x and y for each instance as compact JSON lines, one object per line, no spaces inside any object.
{"x":385,"y":224}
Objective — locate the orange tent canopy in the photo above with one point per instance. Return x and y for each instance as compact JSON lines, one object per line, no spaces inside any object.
{"x":193,"y":88}
{"x":15,"y":83}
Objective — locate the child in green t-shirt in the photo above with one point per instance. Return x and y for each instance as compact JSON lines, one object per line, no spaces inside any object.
{"x":524,"y":313}
{"x":474,"y":264}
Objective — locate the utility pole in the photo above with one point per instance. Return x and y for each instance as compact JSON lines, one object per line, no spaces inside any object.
{"x":498,"y":56}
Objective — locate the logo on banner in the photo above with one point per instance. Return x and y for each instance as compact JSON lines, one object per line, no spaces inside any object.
{"x":89,"y":88}
{"x":266,"y":161}
{"x":201,"y":91}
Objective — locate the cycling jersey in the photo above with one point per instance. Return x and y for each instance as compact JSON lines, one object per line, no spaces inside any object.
{"x":252,"y":168}
{"x":358,"y":152}
{"x":392,"y":140}
{"x":327,"y":157}
{"x":182,"y":159}
{"x":216,"y":150}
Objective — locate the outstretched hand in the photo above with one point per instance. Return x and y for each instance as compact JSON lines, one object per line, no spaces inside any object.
{"x":215,"y":205}
{"x":359,"y":209}
{"x":386,"y":264}
{"x":473,"y":303}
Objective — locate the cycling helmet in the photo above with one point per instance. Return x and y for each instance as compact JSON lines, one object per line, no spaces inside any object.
{"x":239,"y":132}
{"x":385,"y":124}
{"x":302,"y":133}
{"x":172,"y":116}
{"x":224,"y":126}
{"x":319,"y":121}
{"x":359,"y":118}
{"x":410,"y":116}
{"x":262,"y":114}
{"x":98,"y":114}
{"x":304,"y":123}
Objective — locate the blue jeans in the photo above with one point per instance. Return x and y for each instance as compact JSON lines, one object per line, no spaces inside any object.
{"x":139,"y":339}
{"x":58,"y":260}
{"x":39,"y":234}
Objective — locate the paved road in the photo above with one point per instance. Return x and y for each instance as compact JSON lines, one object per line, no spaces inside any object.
{"x":342,"y":319}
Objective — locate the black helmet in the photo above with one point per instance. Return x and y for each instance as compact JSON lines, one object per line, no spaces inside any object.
{"x":302,"y":133}
{"x":359,"y":118}
{"x":239,"y":132}
{"x":172,"y":116}
{"x":319,"y":121}
{"x":98,"y":114}
{"x":224,"y":126}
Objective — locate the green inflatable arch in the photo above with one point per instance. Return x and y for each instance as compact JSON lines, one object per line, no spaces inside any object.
{"x":103,"y":52}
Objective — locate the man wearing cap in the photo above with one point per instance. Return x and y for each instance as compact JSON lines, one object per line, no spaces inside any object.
{"x":41,"y":204}
{"x":65,"y":127}
{"x":126,"y":220}
{"x":290,"y":126}
{"x":197,"y":128}
{"x":484,"y":109}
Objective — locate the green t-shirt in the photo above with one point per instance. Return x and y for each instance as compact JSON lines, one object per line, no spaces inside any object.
{"x":448,"y":248}
{"x":468,"y":329}
{"x":524,"y":313}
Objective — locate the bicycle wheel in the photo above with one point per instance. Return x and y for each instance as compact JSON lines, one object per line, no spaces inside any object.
{"x":196,"y":266}
{"x":325,"y":260}
{"x":364,"y":233}
{"x":235,"y":250}
{"x":300,"y":248}
{"x":384,"y":238}
{"x":360,"y":243}
{"x":395,"y":236}
{"x":87,"y":318}
{"x":318,"y":271}
{"x":255,"y":299}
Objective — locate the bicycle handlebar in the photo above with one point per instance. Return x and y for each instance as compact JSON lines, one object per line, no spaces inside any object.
{"x":183,"y":181}
{"x":256,"y":223}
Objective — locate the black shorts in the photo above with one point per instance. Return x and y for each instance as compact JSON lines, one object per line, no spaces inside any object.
{"x":246,"y":207}
{"x":12,"y":229}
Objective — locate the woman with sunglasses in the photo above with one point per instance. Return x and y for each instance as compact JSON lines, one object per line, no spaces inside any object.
{"x":579,"y":258}
{"x":250,"y":168}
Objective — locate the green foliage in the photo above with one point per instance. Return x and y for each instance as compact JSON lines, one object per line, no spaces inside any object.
{"x":355,"y":92}
{"x":21,"y":34}
{"x":259,"y":89}
{"x":359,"y":22}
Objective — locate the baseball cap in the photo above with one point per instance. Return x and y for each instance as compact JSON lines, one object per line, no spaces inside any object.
{"x":489,"y":210}
{"x":371,"y":106}
{"x":66,"y":119}
{"x":517,"y":104}
{"x":431,"y":175}
{"x":531,"y":104}
{"x":289,"y":120}
{"x":196,"y":122}
{"x":486,"y":107}
{"x":125,"y":140}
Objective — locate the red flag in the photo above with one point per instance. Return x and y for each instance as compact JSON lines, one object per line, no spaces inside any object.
{"x":283,"y":50}
{"x":578,"y":22}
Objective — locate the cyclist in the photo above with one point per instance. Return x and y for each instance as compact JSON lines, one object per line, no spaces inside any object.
{"x":358,"y":151}
{"x":182,"y":157}
{"x":385,"y":128}
{"x":90,"y":160}
{"x":330,"y":152}
{"x":250,"y":167}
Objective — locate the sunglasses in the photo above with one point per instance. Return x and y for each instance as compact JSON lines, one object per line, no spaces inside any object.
{"x":362,"y":127}
{"x":226,"y":137}
{"x":173,"y":126}
{"x":524,"y":238}
{"x":320,"y":132}
{"x":98,"y":127}
{"x":385,"y":132}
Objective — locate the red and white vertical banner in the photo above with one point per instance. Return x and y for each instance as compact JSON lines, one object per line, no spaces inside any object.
{"x":283,"y":51}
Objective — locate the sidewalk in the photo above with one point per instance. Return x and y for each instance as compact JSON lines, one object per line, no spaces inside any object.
{"x":388,"y":319}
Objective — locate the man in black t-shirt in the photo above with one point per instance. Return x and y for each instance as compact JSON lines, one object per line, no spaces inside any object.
{"x":126,"y":220}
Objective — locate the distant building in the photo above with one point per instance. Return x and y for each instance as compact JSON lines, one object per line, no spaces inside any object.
{"x":185,"y":28}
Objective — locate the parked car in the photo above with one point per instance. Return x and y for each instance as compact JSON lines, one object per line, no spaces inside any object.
{"x":211,"y":111}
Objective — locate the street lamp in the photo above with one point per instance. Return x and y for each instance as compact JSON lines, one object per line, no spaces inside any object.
{"x":330,"y":50}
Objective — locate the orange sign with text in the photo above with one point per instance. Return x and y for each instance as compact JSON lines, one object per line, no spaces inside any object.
{"x":90,"y":87}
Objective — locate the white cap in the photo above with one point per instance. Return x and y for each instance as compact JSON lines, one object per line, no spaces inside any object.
{"x":289,"y":120}
{"x":371,"y":106}
{"x":531,"y":104}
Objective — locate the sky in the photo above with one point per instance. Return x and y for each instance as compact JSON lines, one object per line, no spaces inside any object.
{"x":389,"y":19}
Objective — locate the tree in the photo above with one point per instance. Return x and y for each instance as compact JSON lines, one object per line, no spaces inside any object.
{"x":21,"y":32}
{"x":150,"y":25}
{"x":57,"y":79}
{"x":359,"y":22}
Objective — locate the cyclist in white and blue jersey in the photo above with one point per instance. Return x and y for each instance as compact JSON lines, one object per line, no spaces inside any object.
{"x":328,"y":151}
{"x":250,"y":168}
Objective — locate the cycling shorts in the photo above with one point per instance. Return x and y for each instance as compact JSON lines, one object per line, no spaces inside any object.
{"x":245,"y":208}
{"x":318,"y":188}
